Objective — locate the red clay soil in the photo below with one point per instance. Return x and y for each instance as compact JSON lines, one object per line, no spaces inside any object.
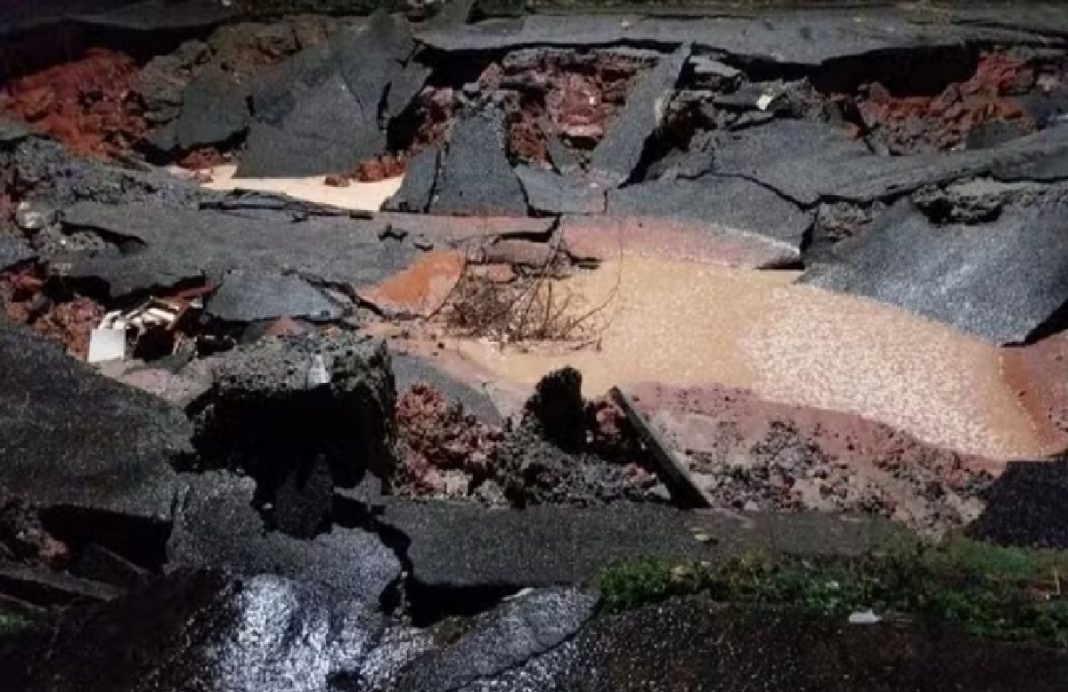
{"x":85,"y":104}
{"x":442,"y":449}
{"x":69,"y":322}
{"x":1039,"y":373}
{"x":202,"y":158}
{"x":913,"y":124}
{"x":573,"y":95}
{"x":750,"y":453}
{"x":380,"y":168}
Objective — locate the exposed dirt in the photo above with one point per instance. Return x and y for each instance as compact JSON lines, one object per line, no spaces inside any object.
{"x":582,"y":453}
{"x":443,"y":451}
{"x":87,"y":104}
{"x":963,"y":114}
{"x":753,"y":454}
{"x":68,"y":322}
{"x":558,"y":93}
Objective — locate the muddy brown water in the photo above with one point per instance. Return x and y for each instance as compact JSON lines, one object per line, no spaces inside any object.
{"x":685,"y":324}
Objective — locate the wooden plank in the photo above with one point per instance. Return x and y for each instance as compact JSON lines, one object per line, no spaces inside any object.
{"x":675,"y":475}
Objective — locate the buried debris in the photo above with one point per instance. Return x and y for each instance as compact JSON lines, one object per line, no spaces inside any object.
{"x":674,"y":473}
{"x":300,"y":415}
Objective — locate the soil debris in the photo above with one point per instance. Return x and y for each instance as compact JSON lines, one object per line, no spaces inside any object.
{"x":964,"y":114}
{"x":87,"y":104}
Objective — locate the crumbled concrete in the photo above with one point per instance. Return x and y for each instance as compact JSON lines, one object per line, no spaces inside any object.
{"x":282,"y":401}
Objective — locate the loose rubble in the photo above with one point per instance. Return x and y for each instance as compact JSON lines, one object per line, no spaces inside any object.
{"x":241,"y":446}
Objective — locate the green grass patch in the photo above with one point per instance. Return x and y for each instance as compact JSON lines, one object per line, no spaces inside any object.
{"x":989,"y":591}
{"x":12,"y":623}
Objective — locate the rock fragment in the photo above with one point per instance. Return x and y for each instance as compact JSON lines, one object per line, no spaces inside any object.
{"x":214,"y":110}
{"x":417,"y":189}
{"x":251,"y":296}
{"x":617,"y":156}
{"x":269,"y":414}
{"x":475,"y":177}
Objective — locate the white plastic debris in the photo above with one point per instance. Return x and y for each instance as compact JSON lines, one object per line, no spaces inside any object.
{"x":108,"y":340}
{"x":864,"y":617}
{"x":317,"y":373}
{"x":765,"y":101}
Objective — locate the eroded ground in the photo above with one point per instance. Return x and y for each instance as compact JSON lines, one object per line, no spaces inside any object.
{"x":347,"y":329}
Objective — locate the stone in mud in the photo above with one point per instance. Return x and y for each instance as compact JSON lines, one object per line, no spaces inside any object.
{"x":417,"y":188}
{"x":724,"y":205}
{"x":1026,"y":506}
{"x":73,"y":439}
{"x":1001,"y":280}
{"x":201,"y":631}
{"x":475,"y":177}
{"x":14,"y":250}
{"x":501,"y":639}
{"x":553,"y":193}
{"x":617,"y":156}
{"x":250,"y":296}
{"x":286,"y":401}
{"x":175,"y":245}
{"x":559,"y":409}
{"x":214,"y":110}
{"x":217,"y":527}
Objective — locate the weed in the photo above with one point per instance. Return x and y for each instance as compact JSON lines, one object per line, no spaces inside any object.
{"x":986,"y":590}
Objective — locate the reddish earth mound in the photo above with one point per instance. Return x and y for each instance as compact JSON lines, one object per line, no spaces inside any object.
{"x":910,"y":124}
{"x":753,"y":454}
{"x":84,"y":104}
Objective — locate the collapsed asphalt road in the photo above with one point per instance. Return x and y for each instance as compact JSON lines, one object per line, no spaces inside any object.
{"x":283,"y":438}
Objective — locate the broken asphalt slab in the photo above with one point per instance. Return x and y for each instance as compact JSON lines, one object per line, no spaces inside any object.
{"x":319,"y":112}
{"x":616,"y":157}
{"x":467,"y":546}
{"x":214,"y":110}
{"x":175,"y":245}
{"x":203,"y":630}
{"x":1001,"y":280}
{"x":695,"y":643}
{"x":801,"y":37}
{"x":808,"y":162}
{"x":71,"y":438}
{"x":250,"y":296}
{"x":553,"y":193}
{"x":500,"y":640}
{"x":217,"y":527}
{"x":721,"y":205}
{"x":417,"y":188}
{"x":475,"y":178}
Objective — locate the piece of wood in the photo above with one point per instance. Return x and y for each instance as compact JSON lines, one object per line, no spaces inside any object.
{"x":675,"y":475}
